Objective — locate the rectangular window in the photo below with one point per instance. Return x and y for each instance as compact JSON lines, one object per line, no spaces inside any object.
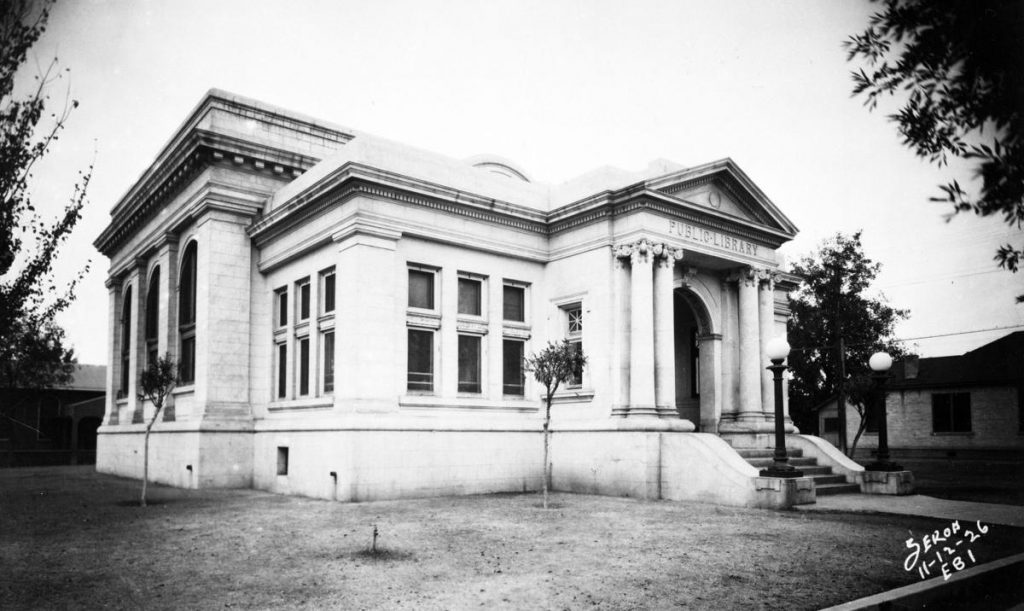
{"x":574,"y":327}
{"x":282,"y":371}
{"x":304,"y":366}
{"x":513,"y":380}
{"x":187,"y":367}
{"x":328,"y":362}
{"x":951,"y":412}
{"x":302,"y":288}
{"x":282,"y":460}
{"x":327,"y":290}
{"x":831,"y":425}
{"x":421,"y":289}
{"x":469,"y":363}
{"x":282,"y":307}
{"x":469,"y":296}
{"x":421,"y":360}
{"x":514,"y":303}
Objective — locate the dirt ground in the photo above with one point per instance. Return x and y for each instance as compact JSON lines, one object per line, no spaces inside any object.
{"x":70,"y":538}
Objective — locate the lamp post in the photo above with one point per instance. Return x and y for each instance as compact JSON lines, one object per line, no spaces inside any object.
{"x":777,"y":350}
{"x":880,"y":362}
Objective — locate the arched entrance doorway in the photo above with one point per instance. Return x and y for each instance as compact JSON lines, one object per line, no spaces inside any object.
{"x":696,"y":365}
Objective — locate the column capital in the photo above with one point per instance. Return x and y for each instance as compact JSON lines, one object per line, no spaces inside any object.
{"x":689,"y":273}
{"x":749,"y":276}
{"x":644,"y":251}
{"x":768,"y":277}
{"x":113,"y":283}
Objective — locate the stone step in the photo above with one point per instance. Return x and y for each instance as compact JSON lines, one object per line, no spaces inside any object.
{"x":762,"y":463}
{"x":815,"y":470}
{"x":827,"y":489}
{"x":766,"y":452}
{"x":821,"y":480}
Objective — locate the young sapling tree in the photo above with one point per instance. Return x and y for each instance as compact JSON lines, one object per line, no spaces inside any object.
{"x":555,"y":364}
{"x":155,"y":385}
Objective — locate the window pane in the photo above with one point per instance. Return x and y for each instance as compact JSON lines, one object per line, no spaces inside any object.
{"x":421,"y":360}
{"x":304,"y":301}
{"x":575,"y":321}
{"x":187,"y":287}
{"x":126,"y":322}
{"x":328,"y":362}
{"x":187,"y":371}
{"x":469,"y":363}
{"x":153,"y":305}
{"x":304,"y":366}
{"x":941,"y":413}
{"x":513,"y":303}
{"x":282,"y":370}
{"x":329,"y":293}
{"x":282,"y":308}
{"x":421,"y":289}
{"x":512,"y":370}
{"x":576,"y":379}
{"x":962,"y":412}
{"x":469,"y":296}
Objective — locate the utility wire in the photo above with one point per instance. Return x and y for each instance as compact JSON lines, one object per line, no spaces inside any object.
{"x":908,"y":339}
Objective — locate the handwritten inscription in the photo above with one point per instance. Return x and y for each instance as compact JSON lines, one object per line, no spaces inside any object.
{"x":949,"y":549}
{"x":711,"y":238}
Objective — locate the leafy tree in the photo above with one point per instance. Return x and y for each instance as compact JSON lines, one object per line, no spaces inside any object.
{"x":833,"y":302}
{"x":960,"y":64}
{"x":551,"y":366}
{"x":155,"y":385}
{"x":32,"y":351}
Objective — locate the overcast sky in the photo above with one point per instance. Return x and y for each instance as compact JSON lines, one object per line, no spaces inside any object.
{"x":557,"y":87}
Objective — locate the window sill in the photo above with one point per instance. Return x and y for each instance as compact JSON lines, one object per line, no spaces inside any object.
{"x":184,"y":390}
{"x":574,"y":395}
{"x":301,"y":404}
{"x":953,"y":434}
{"x":464,"y":402}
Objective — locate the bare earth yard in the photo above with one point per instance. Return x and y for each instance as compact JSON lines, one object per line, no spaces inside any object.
{"x":70,"y":538}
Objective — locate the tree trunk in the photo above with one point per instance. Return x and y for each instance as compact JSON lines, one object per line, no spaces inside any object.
{"x":145,"y":452}
{"x":547,"y":442}
{"x":856,"y":438}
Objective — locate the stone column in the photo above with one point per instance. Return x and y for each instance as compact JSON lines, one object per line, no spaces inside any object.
{"x":114,"y":349}
{"x":620,"y":338}
{"x":641,"y":339}
{"x":750,"y":350}
{"x":138,"y":340}
{"x":766,"y":320}
{"x":664,"y":330}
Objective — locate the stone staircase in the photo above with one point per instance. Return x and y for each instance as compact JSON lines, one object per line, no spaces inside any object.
{"x":825,"y":482}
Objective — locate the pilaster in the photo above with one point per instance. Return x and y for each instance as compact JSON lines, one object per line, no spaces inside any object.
{"x":766,"y":322}
{"x":641,"y":350}
{"x":113,"y":349}
{"x":138,"y":358}
{"x":664,"y":330}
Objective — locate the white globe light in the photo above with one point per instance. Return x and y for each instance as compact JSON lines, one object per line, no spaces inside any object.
{"x":880,"y":361}
{"x":778,"y":348}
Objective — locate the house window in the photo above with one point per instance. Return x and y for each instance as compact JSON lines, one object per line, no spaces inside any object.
{"x":302,"y":298}
{"x":469,"y":363}
{"x":328,"y":361}
{"x":831,"y":425}
{"x":421,"y":360}
{"x":327,"y":291}
{"x":281,"y":304}
{"x":282,"y":370}
{"x":303,"y":366}
{"x":574,"y":333}
{"x":187,"y":315}
{"x":126,"y":341}
{"x":470,"y":291}
{"x":951,"y":412}
{"x":282,"y":460}
{"x":513,"y":381}
{"x":152,"y":316}
{"x":514,"y":303}
{"x":421,"y":289}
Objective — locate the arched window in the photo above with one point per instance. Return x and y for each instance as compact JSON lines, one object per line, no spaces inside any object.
{"x":126,"y":340}
{"x":187,"y":315}
{"x":152,"y":316}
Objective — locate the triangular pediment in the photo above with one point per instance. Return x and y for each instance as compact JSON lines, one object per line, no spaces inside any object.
{"x":723,"y":190}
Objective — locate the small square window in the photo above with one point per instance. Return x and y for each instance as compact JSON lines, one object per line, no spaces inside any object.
{"x":514,"y":303}
{"x":327,"y":291}
{"x":421,"y":289}
{"x":282,"y":460}
{"x":470,"y":291}
{"x":951,"y":412}
{"x":575,"y":318}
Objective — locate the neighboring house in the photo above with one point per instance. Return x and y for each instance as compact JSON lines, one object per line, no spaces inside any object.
{"x":53,"y":426}
{"x":350,"y":315}
{"x":949,"y":405}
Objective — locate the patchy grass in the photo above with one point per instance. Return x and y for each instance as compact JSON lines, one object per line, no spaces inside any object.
{"x":71,"y":538}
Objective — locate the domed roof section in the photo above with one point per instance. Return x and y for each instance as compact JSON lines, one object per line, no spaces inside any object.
{"x":498,"y":165}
